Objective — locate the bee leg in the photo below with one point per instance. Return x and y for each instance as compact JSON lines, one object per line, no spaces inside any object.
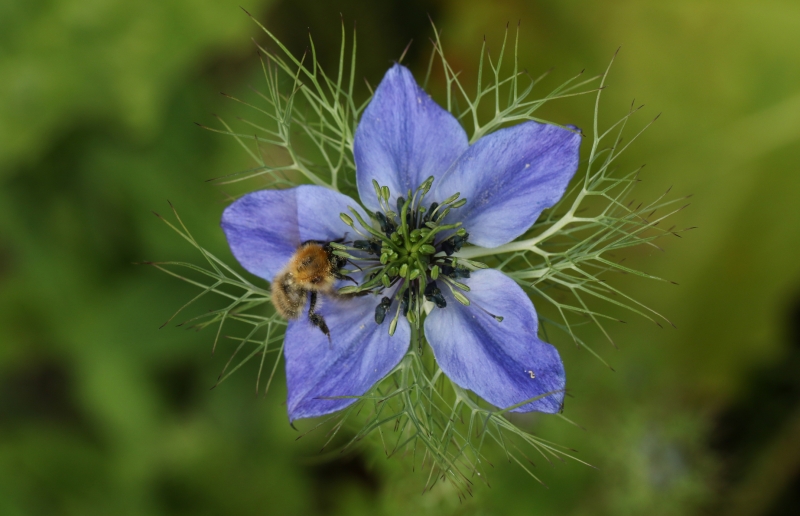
{"x":341,"y":276}
{"x":316,"y":319}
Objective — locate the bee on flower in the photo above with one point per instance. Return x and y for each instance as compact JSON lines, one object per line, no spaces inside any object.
{"x":425,"y":193}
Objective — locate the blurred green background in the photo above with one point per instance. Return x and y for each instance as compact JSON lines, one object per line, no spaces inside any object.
{"x":103,"y":413}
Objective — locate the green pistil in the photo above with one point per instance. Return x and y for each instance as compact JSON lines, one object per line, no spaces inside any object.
{"x":405,"y":251}
{"x":369,"y":228}
{"x":404,"y":222}
{"x":431,"y":234}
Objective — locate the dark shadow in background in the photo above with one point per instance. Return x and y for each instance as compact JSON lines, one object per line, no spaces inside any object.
{"x":756,"y":438}
{"x":387,"y":30}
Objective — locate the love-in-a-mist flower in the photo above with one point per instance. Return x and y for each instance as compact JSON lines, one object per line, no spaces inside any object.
{"x":427,"y":192}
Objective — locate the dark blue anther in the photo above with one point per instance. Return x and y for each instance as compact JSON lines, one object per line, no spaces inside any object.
{"x":370,"y":246}
{"x":431,"y":209}
{"x":455,"y":272}
{"x":434,"y":295}
{"x":380,"y":310}
{"x":404,"y":303}
{"x":455,"y":244}
{"x":387,"y":226}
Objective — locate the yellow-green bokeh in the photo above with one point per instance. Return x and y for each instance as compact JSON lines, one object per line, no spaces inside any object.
{"x":103,"y":413}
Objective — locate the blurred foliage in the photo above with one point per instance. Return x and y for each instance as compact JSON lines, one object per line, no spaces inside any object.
{"x":103,"y":413}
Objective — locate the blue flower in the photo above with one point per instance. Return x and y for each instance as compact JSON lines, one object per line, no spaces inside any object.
{"x":481,"y":325}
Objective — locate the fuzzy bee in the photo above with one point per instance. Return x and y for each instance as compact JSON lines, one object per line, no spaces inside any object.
{"x":312,"y":270}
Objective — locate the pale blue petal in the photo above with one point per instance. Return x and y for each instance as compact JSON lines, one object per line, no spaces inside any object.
{"x":359,"y":355}
{"x":508,"y":178}
{"x":403,"y":138}
{"x":496,"y":359}
{"x":265,"y":228}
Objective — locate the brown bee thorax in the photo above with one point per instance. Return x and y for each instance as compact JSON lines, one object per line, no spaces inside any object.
{"x":311,"y":268}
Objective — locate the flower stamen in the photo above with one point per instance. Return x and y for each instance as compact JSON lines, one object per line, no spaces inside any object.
{"x":406,"y":252}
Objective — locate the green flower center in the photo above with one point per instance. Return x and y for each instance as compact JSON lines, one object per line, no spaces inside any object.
{"x":407,"y":254}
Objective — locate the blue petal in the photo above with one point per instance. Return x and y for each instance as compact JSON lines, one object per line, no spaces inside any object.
{"x":508,"y":178}
{"x":359,"y":355}
{"x":496,"y":359}
{"x":403,"y":138}
{"x":265,"y":228}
